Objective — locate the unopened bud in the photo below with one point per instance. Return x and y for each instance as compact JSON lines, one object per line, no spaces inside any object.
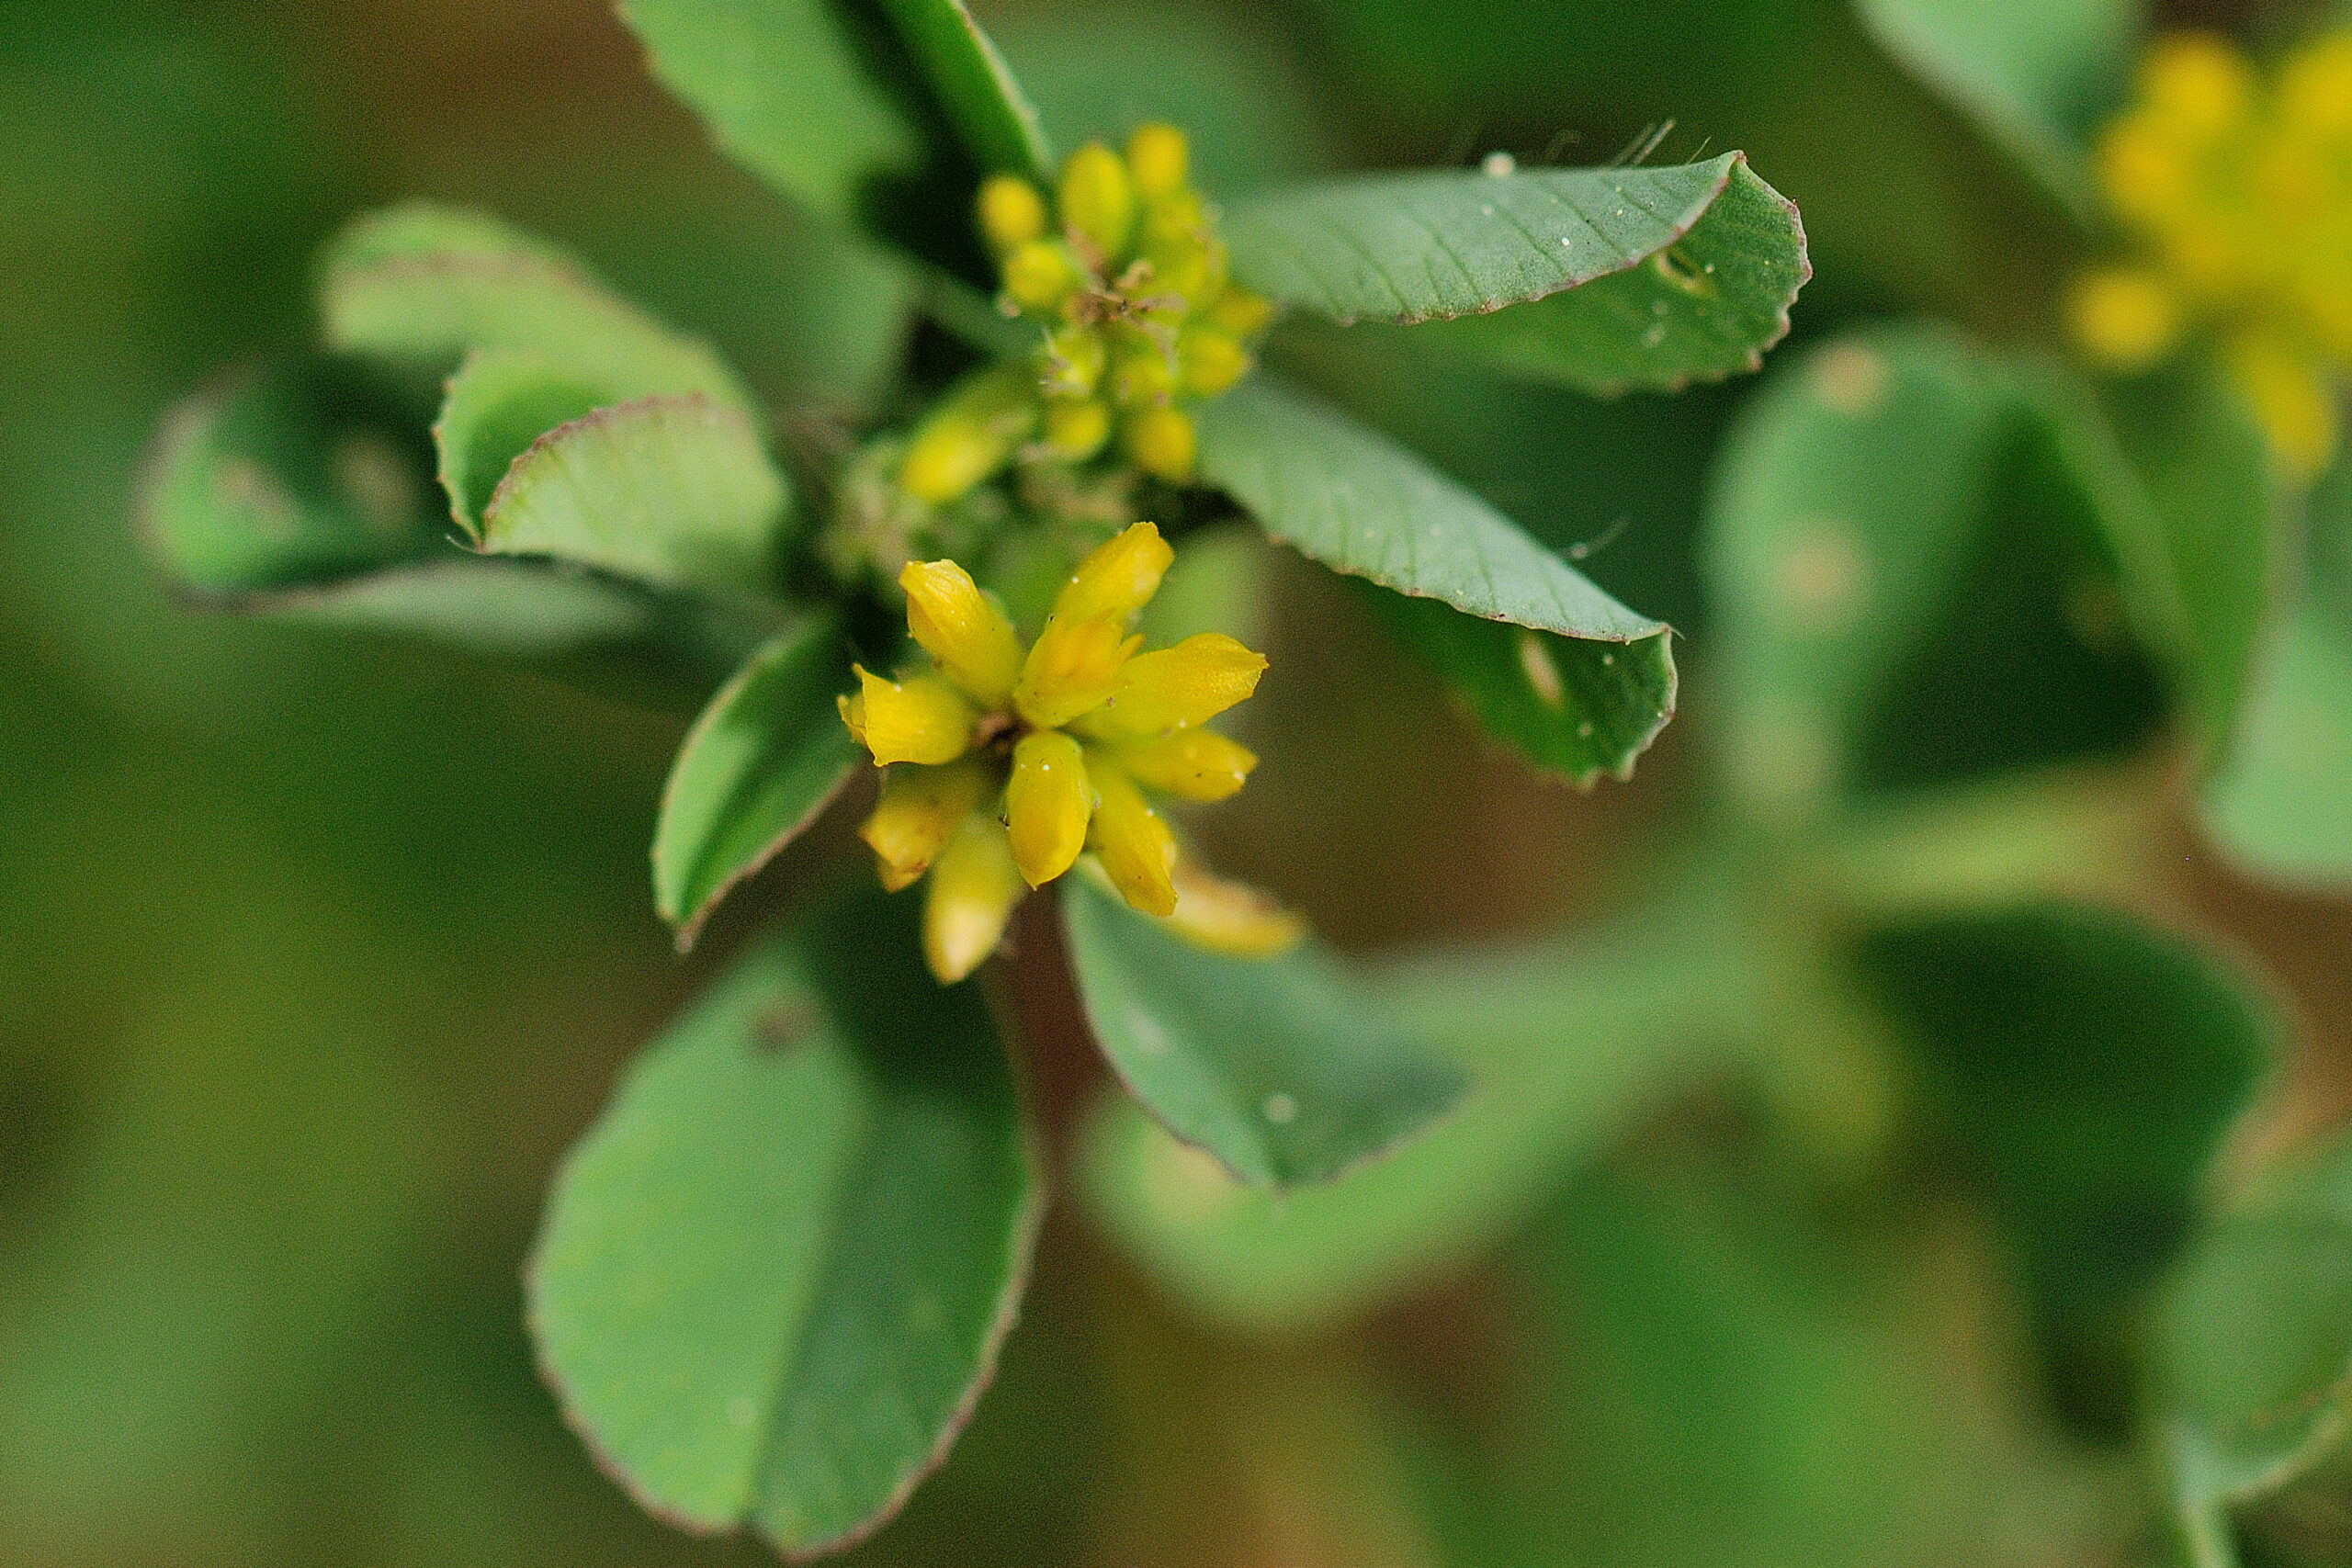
{"x":1012,"y":213}
{"x":1098,"y":202}
{"x":1144,"y":375}
{"x":1076,"y":427}
{"x":1039,"y":275}
{"x":1162,"y":443}
{"x":1239,"y":311}
{"x":1209,"y":361}
{"x":1074,"y":358}
{"x":1158,"y":159}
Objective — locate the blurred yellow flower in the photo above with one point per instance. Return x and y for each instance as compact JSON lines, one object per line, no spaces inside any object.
{"x":1007,"y":763}
{"x":2238,"y":196}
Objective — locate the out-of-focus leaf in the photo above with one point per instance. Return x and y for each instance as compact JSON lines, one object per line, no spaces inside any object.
{"x":1573,"y":708}
{"x":975,"y":86}
{"x":502,"y":608}
{"x":787,"y":89}
{"x":1101,"y":71}
{"x":314,"y":469}
{"x":1564,"y":1043}
{"x":756,"y":768}
{"x":1284,"y":1069}
{"x":1704,"y":308}
{"x":499,"y":402}
{"x":1912,"y":579}
{"x":672,"y":491}
{"x":2087,"y":1065}
{"x":2252,"y":1343}
{"x":423,"y":285}
{"x":1353,"y":499}
{"x":775,"y":1274}
{"x":2037,"y":74}
{"x":2208,"y":520}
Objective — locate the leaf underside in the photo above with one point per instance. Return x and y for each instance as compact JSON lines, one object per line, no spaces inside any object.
{"x":774,"y":1275}
{"x":1284,"y":1068}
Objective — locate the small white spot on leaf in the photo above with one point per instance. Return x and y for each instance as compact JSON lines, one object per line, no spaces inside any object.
{"x":1279,"y":1109}
{"x":1496,"y":165}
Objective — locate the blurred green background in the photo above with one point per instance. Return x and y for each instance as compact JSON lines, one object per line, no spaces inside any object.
{"x":315,"y":952}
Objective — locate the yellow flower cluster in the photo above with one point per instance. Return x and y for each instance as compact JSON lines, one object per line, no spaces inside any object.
{"x":2239,"y":193}
{"x":1137,"y":317}
{"x":1006,"y":764}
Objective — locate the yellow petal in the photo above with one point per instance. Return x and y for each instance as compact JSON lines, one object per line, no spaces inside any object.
{"x":1199,"y":764}
{"x":921,"y":720}
{"x":973,"y":886}
{"x":1047,"y":805}
{"x":1230,"y":916}
{"x":1072,"y":669}
{"x":1173,"y":688}
{"x":1158,"y":159}
{"x":1117,"y":578}
{"x":1011,"y":212}
{"x":2126,"y":317}
{"x":971,"y":639}
{"x":919,"y":813}
{"x":1098,"y":202}
{"x":971,"y":433}
{"x":1134,"y":846}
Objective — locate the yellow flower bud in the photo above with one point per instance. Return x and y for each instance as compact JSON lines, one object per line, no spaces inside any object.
{"x":1173,"y":688}
{"x":1144,"y":375}
{"x":2289,"y":389}
{"x":970,"y":639}
{"x":1162,"y":443}
{"x":1158,"y":159}
{"x":973,"y":887}
{"x":919,"y":812}
{"x":1040,"y":274}
{"x":2197,"y":82}
{"x":1072,"y":361}
{"x":1047,"y":805}
{"x":1209,"y":361}
{"x":2146,"y":175}
{"x":971,"y":434}
{"x":1077,"y":427}
{"x":1229,"y":917}
{"x":1187,"y":259}
{"x":1137,"y":850}
{"x":1073,"y":667}
{"x":1011,"y":212}
{"x":1117,"y":577}
{"x":921,"y":720}
{"x":1199,"y":764}
{"x":1239,"y":311}
{"x":1098,"y":203}
{"x":2127,"y":317}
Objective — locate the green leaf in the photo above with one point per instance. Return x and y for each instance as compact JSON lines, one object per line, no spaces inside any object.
{"x":975,"y":86}
{"x":2037,"y":74}
{"x":423,"y":285}
{"x":1284,"y":1069}
{"x":1913,"y":577}
{"x":2253,"y":1341}
{"x":786,"y":88}
{"x":760,"y":762}
{"x":774,"y":1275}
{"x":500,"y":401}
{"x":499,"y":608}
{"x":1353,"y":499}
{"x":1703,"y":309}
{"x":1576,"y":709}
{"x":314,"y":469}
{"x":2088,"y":1065}
{"x":1565,"y":1042}
{"x":673,"y":491}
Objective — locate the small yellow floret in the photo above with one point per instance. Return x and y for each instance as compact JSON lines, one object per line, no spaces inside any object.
{"x":1011,"y":212}
{"x":973,"y":433}
{"x":2315,"y":87}
{"x":1074,"y":359}
{"x":1098,"y":203}
{"x":1118,"y":577}
{"x":970,"y":639}
{"x":1162,"y":442}
{"x":921,"y":720}
{"x":1039,"y":275}
{"x":973,"y":887}
{"x":2292,"y":398}
{"x":2198,"y":81}
{"x":1158,"y":159}
{"x":1047,"y":805}
{"x":1209,"y":361}
{"x":1134,"y":845}
{"x":1240,"y":311}
{"x":1077,"y":427}
{"x":919,"y":812}
{"x":2128,"y":317}
{"x":1174,"y":688}
{"x":1199,"y":764}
